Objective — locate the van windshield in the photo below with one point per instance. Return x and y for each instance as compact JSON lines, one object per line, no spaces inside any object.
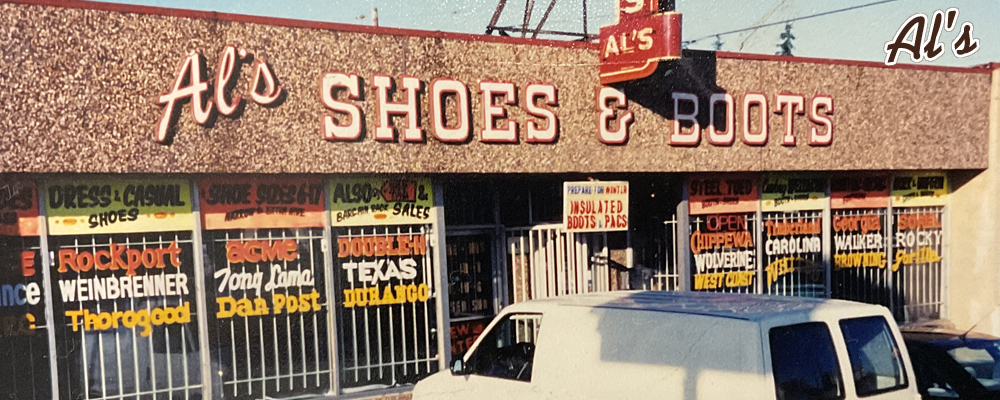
{"x":508,"y":350}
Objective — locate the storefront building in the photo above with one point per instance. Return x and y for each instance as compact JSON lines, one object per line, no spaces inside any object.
{"x":200,"y":205}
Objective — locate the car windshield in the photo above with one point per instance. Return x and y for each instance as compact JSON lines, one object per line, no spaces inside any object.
{"x":981,"y":359}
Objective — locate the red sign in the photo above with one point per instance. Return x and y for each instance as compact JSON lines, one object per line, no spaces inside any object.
{"x":639,"y":39}
{"x":18,"y":208}
{"x":859,"y":191}
{"x":262,"y":202}
{"x":720,"y":194}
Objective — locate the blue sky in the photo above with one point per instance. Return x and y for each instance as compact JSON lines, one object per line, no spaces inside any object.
{"x":856,"y":35}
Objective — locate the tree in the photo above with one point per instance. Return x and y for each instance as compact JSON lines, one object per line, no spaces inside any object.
{"x":786,"y":42}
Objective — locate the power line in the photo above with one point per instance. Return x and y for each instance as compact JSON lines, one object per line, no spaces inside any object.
{"x":686,"y":42}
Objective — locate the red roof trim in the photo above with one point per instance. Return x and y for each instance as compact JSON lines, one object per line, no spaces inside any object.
{"x":854,"y":63}
{"x":296,"y":23}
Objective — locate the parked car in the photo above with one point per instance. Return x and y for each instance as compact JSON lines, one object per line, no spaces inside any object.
{"x":670,"y":345}
{"x":952,"y":364}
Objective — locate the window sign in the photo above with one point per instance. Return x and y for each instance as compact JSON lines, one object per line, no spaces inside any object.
{"x":380,"y":201}
{"x":266,"y":287}
{"x":385,"y":305}
{"x":124,"y":279}
{"x":724,"y":253}
{"x":24,"y":346}
{"x":793,"y":234}
{"x":595,"y":206}
{"x":722,"y":194}
{"x":919,"y":189}
{"x":860,"y":232}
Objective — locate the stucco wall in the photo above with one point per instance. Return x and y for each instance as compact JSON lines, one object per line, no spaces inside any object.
{"x":974,"y":232}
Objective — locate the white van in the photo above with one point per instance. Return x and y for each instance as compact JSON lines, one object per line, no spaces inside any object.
{"x":663,"y":345}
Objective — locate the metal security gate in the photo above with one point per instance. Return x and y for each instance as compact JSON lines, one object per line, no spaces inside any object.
{"x":279,"y":346}
{"x":153,"y":353}
{"x":668,"y":276}
{"x":860,"y":256}
{"x":655,"y":266}
{"x":547,"y":261}
{"x":917,"y":262}
{"x":793,"y":254}
{"x":386,"y":315}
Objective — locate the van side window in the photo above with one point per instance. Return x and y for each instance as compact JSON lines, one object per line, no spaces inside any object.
{"x":876,"y":363}
{"x":804,"y":362}
{"x":508,"y":350}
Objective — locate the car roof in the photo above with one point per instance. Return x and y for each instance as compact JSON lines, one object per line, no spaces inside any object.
{"x":945,"y":338}
{"x":747,"y":307}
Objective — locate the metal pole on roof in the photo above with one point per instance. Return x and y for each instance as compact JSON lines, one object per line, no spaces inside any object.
{"x":544,"y":18}
{"x":529,"y":6}
{"x":374,"y":16}
{"x":496,"y":16}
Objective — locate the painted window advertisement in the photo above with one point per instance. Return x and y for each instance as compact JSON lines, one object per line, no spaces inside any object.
{"x":859,"y":207}
{"x":123,"y":277}
{"x":793,"y":235}
{"x":723,"y":234}
{"x":369,"y":201}
{"x":24,"y":348}
{"x":385,"y":292}
{"x":266,"y":288}
{"x":386,"y":312}
{"x":917,"y":240}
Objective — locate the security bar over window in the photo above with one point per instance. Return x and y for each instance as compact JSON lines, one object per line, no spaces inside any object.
{"x":385,"y":302}
{"x":268,"y":312}
{"x":125,"y":310}
{"x":793,"y":254}
{"x":917,"y":262}
{"x":547,"y":261}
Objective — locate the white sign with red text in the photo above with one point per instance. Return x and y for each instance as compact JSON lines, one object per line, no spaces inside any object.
{"x":595,"y":206}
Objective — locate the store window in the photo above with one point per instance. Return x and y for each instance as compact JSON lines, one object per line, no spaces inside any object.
{"x":508,"y":350}
{"x":917,"y":264}
{"x":266,"y":286}
{"x":526,"y":202}
{"x":723,"y":253}
{"x":24,"y":347}
{"x":386,"y":315}
{"x":470,"y":289}
{"x":469,"y":203}
{"x":723,"y":233}
{"x":876,"y":363}
{"x":793,"y":254}
{"x":125,"y":299}
{"x":792,"y":228}
{"x":804,"y":362}
{"x":385,"y":282}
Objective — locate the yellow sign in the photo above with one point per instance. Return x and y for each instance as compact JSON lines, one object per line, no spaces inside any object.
{"x":920,"y":189}
{"x":791,"y":193}
{"x":95,"y":206}
{"x":381,"y":201}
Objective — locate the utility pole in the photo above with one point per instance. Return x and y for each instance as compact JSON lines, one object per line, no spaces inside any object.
{"x":374,"y":16}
